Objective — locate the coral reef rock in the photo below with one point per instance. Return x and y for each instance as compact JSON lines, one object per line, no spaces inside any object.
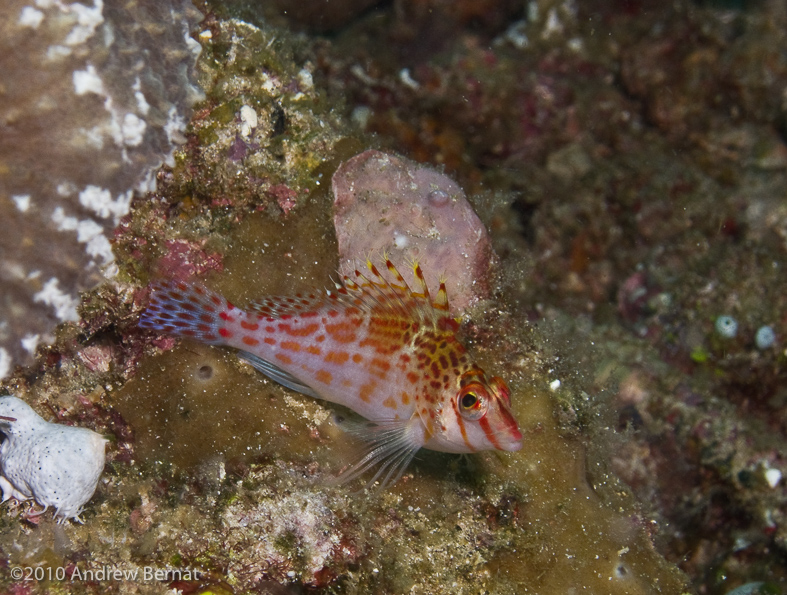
{"x":56,"y":465}
{"x":384,"y":203}
{"x":95,"y":96}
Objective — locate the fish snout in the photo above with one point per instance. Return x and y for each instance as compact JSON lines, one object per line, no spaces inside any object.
{"x":513,"y":440}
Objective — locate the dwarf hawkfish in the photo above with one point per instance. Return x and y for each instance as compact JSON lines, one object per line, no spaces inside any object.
{"x":378,"y":347}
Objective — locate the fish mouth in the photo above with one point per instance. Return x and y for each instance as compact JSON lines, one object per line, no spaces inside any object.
{"x":511,"y":438}
{"x":513,"y":441}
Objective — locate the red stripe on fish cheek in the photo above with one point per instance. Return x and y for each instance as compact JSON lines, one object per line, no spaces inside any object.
{"x":251,"y":341}
{"x":484,"y":423}
{"x":224,"y":332}
{"x":461,"y":423}
{"x":249,"y":326}
{"x":510,"y":422}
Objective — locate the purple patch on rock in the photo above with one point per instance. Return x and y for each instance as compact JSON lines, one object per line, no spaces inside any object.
{"x":384,"y":203}
{"x":238,"y":149}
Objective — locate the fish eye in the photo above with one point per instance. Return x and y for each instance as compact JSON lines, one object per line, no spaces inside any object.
{"x":469,"y":400}
{"x":472,"y":402}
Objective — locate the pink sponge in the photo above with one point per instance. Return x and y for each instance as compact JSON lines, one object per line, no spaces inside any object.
{"x":384,"y":203}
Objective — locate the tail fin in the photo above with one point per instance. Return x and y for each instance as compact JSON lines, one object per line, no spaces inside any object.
{"x":187,"y":310}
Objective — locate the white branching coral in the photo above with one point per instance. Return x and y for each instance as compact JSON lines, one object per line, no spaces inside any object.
{"x":56,"y":465}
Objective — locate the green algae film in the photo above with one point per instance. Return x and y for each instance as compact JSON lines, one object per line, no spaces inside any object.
{"x":571,"y":541}
{"x":195,"y":402}
{"x":279,"y":256}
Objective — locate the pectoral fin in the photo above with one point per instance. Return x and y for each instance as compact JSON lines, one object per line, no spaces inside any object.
{"x":392,"y":445}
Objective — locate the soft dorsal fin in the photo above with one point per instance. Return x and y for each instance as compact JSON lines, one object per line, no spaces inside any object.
{"x":369,"y":290}
{"x":292,"y":305}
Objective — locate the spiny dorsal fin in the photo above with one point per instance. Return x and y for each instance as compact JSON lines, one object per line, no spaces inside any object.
{"x":441,"y":302}
{"x":392,"y":294}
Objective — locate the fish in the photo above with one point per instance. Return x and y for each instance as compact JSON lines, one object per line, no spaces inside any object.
{"x":372,"y":344}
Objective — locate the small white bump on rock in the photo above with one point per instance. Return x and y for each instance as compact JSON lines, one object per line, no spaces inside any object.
{"x":53,"y":464}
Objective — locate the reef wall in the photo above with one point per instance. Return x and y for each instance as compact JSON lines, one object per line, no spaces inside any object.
{"x":95,"y":97}
{"x":635,"y":208}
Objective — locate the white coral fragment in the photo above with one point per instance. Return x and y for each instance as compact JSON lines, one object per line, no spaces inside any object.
{"x":53,"y":464}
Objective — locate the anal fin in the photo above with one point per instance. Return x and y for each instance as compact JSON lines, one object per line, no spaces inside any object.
{"x":275,"y":373}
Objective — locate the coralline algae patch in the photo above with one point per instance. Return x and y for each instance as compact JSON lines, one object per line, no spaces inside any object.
{"x":95,"y":97}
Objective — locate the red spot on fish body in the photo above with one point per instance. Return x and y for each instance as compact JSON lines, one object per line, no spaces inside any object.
{"x":342,"y":332}
{"x":324,"y":376}
{"x":336,"y":357}
{"x":304,"y":331}
{"x":366,"y":392}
